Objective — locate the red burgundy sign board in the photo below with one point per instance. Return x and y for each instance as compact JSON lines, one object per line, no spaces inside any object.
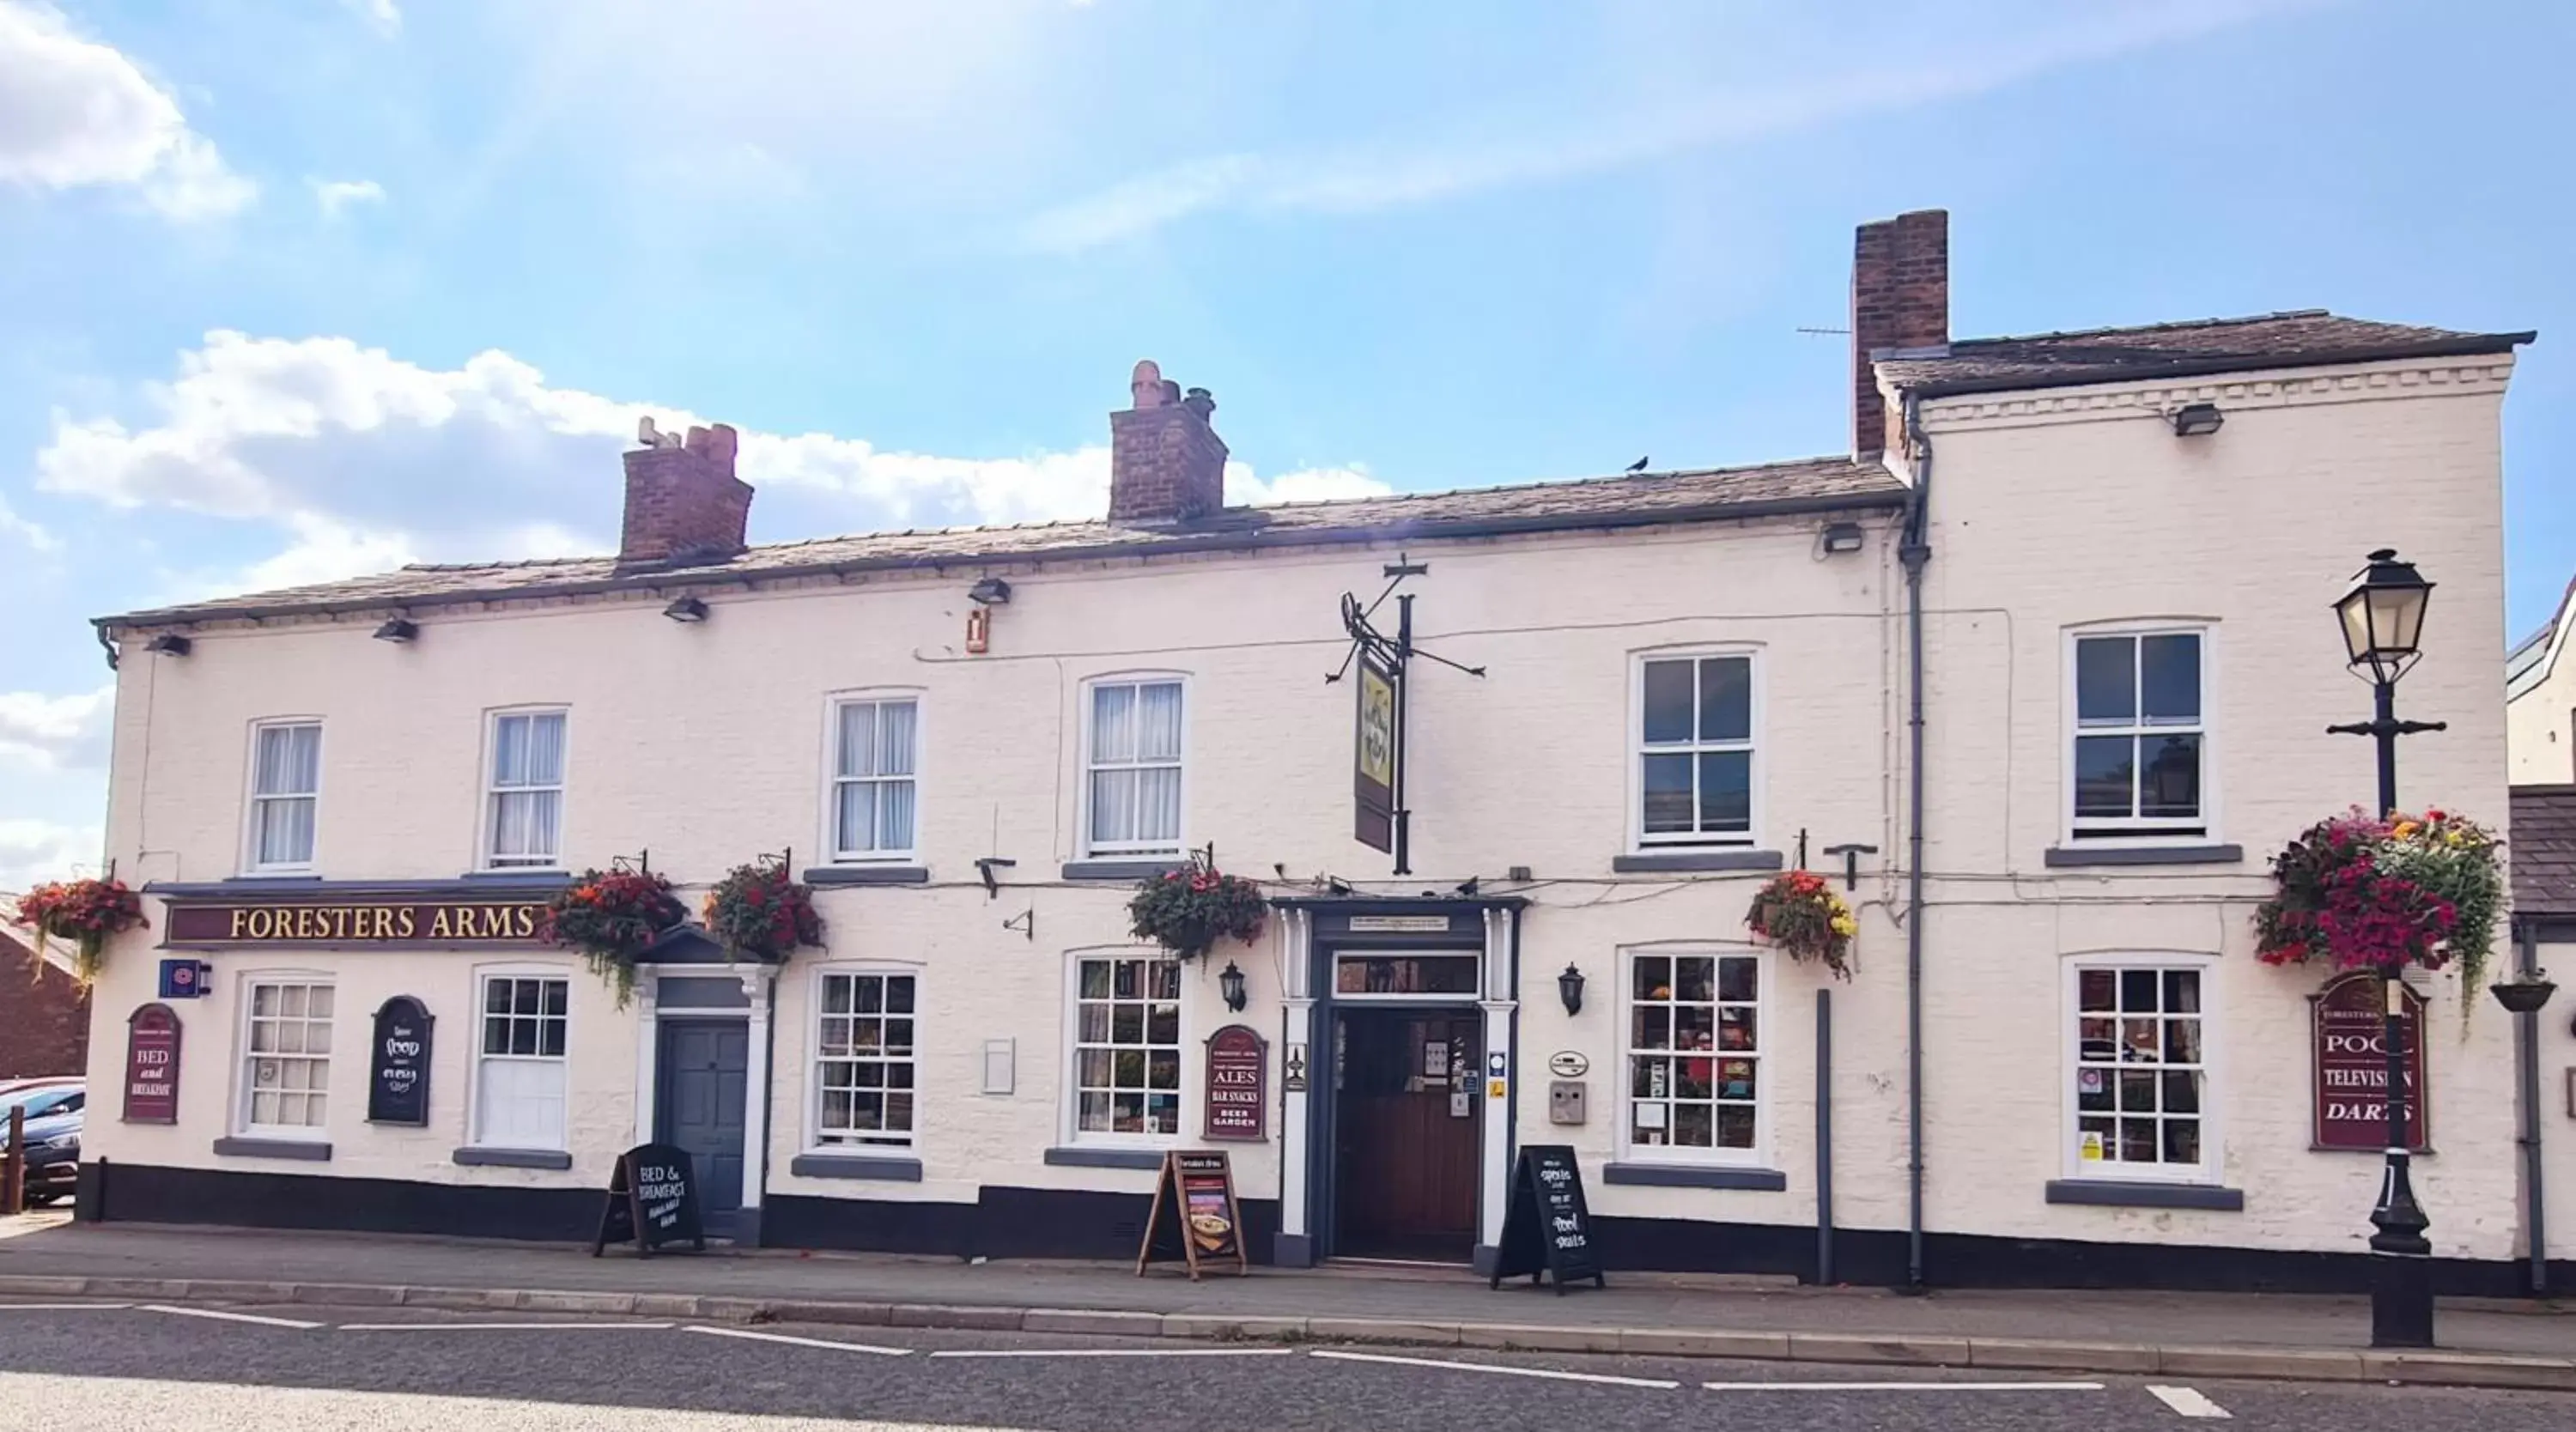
{"x":152,"y":1066}
{"x":1238,"y":1076}
{"x":2351,"y":1052}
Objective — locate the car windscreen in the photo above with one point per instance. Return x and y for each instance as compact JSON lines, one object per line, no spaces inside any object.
{"x":41,"y":1103}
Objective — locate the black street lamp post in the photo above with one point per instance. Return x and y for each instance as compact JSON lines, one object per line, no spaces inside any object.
{"x":2383,"y":618}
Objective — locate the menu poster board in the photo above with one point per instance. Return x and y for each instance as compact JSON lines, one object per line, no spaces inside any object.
{"x":1194,"y":1207}
{"x":398,"y":1064}
{"x":152,"y":1065}
{"x":1238,"y":1079}
{"x":1548,"y":1226}
{"x":652,"y":1201}
{"x":2350,"y":1024}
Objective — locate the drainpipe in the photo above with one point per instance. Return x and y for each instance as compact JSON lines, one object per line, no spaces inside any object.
{"x":1914,"y":553}
{"x":2526,"y":1052}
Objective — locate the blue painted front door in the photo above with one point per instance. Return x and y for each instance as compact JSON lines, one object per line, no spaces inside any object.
{"x":705,"y":1073}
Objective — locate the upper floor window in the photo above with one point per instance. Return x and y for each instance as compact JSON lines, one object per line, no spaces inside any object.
{"x":875,"y":754}
{"x":285,"y":789}
{"x":523,"y":822}
{"x":2141,"y":734}
{"x":286,"y":1058}
{"x":1133,"y":768}
{"x":1695,"y":749}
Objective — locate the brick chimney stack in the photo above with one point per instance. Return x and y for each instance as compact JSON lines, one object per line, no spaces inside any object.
{"x":1900,"y":299}
{"x":683,"y":503}
{"x":1166,"y":464}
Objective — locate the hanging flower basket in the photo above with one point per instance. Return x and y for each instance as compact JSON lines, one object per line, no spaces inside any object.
{"x":760,"y":911}
{"x":610,"y":916}
{"x":1187,"y":911}
{"x":1798,"y":912}
{"x":84,"y":914}
{"x":2358,"y":892}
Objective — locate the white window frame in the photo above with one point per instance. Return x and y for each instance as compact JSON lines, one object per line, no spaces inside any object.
{"x":1083,"y":767}
{"x":488,"y":795}
{"x":1070,"y":1118}
{"x":2210,"y":1170}
{"x":483,"y":975}
{"x":1639,"y":841}
{"x":2102,"y":832}
{"x":910,"y":1144}
{"x":251,"y":799}
{"x":832,"y":780}
{"x":247,"y":1083}
{"x":1765,"y":1057}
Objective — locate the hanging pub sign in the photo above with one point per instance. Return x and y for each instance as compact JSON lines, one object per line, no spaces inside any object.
{"x":2349,"y":1026}
{"x":1194,"y":1217}
{"x":1374,"y":755}
{"x":390,"y":924}
{"x":152,"y":1065}
{"x":1547,"y":1226}
{"x":652,"y":1201}
{"x":1238,"y":1080}
{"x":398,"y":1064}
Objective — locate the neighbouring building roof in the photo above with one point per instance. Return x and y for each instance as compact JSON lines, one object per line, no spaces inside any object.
{"x":2296,"y":339}
{"x":2542,"y":850}
{"x":1808,"y":485}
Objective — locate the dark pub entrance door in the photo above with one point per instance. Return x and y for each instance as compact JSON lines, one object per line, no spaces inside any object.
{"x":1405,"y":1132}
{"x":704,"y":1073}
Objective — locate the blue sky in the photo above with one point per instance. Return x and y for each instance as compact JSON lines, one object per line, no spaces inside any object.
{"x":301,"y":288}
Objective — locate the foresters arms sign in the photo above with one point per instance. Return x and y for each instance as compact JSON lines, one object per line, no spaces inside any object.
{"x":384,"y":924}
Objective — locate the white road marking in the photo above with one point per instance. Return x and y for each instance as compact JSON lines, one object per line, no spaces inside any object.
{"x":1902,"y":1386}
{"x":1119,"y":1352}
{"x":500,"y":1327}
{"x":2188,"y":1401}
{"x":1548,"y":1373}
{"x":800,"y":1342}
{"x":228,"y":1317}
{"x":60,"y":1307}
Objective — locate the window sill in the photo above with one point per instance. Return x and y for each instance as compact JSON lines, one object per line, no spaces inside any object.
{"x":547,"y":875}
{"x":1652,"y":860}
{"x":474,"y":1156}
{"x":254,"y":879}
{"x":1754,"y":1180}
{"x":1078,"y":1157}
{"x":2061,"y":857}
{"x":308,"y":1150}
{"x":2122,"y":1193}
{"x":883,"y":1167}
{"x":1138,"y":867}
{"x":826,"y":876}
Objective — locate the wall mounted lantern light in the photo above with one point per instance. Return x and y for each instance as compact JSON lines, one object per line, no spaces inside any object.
{"x":686,"y":609}
{"x":398,"y":630}
{"x":2197,"y":420}
{"x":1569,"y":987}
{"x":1231,"y":983}
{"x":169,"y":644}
{"x":991,"y":592}
{"x":1844,"y":537}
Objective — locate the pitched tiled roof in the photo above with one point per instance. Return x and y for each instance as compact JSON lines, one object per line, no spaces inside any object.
{"x":2542,"y":851}
{"x":2211,"y":345}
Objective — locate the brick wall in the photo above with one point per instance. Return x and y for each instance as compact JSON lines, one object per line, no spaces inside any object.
{"x":44,"y":1016}
{"x":1165,"y":462}
{"x":1900,"y":298}
{"x":685,"y":503}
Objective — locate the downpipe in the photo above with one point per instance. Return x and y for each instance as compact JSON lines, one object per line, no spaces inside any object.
{"x":1914,"y":553}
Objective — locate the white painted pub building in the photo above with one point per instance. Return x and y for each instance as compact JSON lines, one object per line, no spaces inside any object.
{"x":2053,"y":636}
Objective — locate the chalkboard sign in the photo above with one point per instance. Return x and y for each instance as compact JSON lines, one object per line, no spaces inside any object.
{"x":652,"y":1201}
{"x":398,"y":1064}
{"x":1194,"y":1217}
{"x":1548,"y":1227}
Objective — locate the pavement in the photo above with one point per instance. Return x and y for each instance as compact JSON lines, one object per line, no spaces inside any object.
{"x":2261,"y":1336}
{"x":286,"y":1368}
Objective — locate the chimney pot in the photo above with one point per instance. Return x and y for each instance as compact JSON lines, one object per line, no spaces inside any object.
{"x":1900,"y":298}
{"x":1166,"y":463}
{"x":683,"y":503}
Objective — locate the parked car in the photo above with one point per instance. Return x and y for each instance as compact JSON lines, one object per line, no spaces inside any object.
{"x":54,"y":1111}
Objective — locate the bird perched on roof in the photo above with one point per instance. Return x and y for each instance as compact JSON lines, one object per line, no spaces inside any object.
{"x":1638,"y":466}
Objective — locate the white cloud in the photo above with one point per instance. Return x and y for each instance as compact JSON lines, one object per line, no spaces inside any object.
{"x":75,"y":112}
{"x":363,"y":462}
{"x":24,"y":530}
{"x":381,"y":13}
{"x":56,"y":733}
{"x":334,"y":196}
{"x":35,"y":851}
{"x":1549,"y":147}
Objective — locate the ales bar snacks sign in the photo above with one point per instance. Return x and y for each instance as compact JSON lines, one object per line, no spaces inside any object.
{"x":2350,"y":1024}
{"x":398,"y":1072}
{"x":152,"y":1066}
{"x":387,"y":923}
{"x":1238,"y":1077}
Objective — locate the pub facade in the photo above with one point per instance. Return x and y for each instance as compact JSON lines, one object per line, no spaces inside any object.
{"x":2032,"y":677}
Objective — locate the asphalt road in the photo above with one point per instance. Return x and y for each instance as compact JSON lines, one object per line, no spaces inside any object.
{"x":135,"y":1369}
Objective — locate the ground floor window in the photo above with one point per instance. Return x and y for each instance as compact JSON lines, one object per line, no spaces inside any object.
{"x":863,"y":1070}
{"x":2141,"y":1069}
{"x":1127,"y":1046}
{"x":1694,"y":1076}
{"x":286,"y":1043}
{"x":519,"y":1071}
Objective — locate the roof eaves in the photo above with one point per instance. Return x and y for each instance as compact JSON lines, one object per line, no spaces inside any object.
{"x":2463,"y":346}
